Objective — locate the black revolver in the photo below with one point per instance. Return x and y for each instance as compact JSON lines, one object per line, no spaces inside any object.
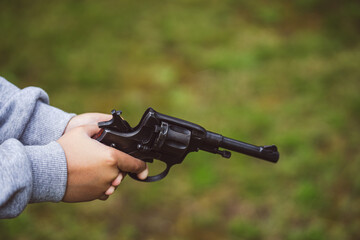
{"x":170,"y":139}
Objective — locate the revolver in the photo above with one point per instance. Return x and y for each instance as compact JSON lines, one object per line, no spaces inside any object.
{"x":170,"y":139}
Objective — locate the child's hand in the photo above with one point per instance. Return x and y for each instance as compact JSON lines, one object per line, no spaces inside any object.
{"x":85,"y":119}
{"x":94,"y":169}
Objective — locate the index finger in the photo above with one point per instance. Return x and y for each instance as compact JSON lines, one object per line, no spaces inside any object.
{"x":127,"y":163}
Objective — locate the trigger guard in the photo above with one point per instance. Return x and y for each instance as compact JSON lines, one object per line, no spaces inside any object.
{"x":152,"y":178}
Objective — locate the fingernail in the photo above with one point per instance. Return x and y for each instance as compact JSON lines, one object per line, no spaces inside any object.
{"x":143,"y":174}
{"x":110,"y":190}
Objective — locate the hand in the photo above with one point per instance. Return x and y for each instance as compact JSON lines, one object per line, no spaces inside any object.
{"x":94,"y":118}
{"x":94,"y":169}
{"x":85,"y":119}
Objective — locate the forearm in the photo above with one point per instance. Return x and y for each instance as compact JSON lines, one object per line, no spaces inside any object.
{"x":46,"y":124}
{"x":25,"y":115}
{"x":30,"y":174}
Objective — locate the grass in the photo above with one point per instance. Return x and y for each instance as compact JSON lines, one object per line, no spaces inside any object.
{"x":283,"y":73}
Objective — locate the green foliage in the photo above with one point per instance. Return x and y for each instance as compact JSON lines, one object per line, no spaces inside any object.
{"x":279,"y":72}
{"x":244,"y":230}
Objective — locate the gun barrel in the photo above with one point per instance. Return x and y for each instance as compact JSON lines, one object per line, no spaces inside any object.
{"x":268,"y":153}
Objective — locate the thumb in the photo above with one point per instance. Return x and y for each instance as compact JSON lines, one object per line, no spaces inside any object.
{"x":90,"y":129}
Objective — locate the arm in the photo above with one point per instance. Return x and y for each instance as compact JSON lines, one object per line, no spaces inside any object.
{"x":22,"y":114}
{"x":30,"y":174}
{"x":75,"y":168}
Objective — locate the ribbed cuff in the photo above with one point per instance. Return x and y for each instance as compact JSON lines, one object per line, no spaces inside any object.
{"x":46,"y":124}
{"x":49,"y":172}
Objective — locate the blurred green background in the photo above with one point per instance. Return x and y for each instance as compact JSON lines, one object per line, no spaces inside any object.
{"x":265,"y":72}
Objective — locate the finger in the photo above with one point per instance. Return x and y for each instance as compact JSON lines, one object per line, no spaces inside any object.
{"x":110,"y":191}
{"x":100,"y":117}
{"x":142,"y":175}
{"x":128,"y":163}
{"x":104,"y":197}
{"x":118,"y":180}
{"x":90,"y":129}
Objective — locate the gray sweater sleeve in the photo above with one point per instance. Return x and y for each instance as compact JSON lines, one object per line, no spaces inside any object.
{"x":32,"y":164}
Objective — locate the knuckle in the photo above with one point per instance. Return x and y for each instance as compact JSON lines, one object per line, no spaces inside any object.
{"x":76,"y":130}
{"x":112,"y":157}
{"x":79,"y":130}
